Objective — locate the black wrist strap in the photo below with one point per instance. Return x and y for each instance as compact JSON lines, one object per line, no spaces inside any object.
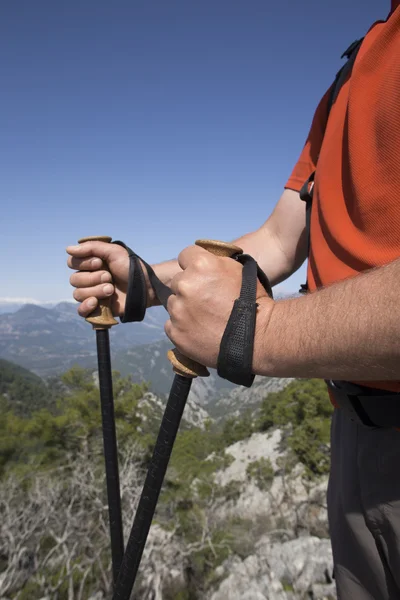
{"x":237,"y":345}
{"x":136,"y":295}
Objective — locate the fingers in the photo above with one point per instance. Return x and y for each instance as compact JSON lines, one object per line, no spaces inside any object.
{"x":90,"y":256}
{"x":92,"y":283}
{"x":196,"y":257}
{"x":90,"y":249}
{"x":85,"y":279}
{"x":87,"y":307}
{"x":84,"y":264}
{"x":178,"y":284}
{"x":97,"y":291}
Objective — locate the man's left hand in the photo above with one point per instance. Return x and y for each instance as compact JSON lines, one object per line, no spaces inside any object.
{"x":202,"y":301}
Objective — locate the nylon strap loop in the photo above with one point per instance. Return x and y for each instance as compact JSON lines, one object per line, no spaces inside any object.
{"x":136,"y":296}
{"x":237,"y":345}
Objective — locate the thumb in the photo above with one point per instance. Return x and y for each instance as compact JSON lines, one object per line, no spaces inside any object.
{"x":102,"y":250}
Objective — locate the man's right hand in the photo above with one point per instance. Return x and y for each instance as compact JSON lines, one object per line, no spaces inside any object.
{"x":102,"y":271}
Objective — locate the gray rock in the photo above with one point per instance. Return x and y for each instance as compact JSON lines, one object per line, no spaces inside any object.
{"x":281,"y":572}
{"x":301,"y":562}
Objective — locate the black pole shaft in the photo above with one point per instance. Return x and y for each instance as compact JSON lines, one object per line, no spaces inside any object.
{"x":110,"y":450}
{"x":152,"y":487}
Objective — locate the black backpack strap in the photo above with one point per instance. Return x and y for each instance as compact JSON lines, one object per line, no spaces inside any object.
{"x":351,"y":55}
{"x":237,"y":345}
{"x":306,"y":192}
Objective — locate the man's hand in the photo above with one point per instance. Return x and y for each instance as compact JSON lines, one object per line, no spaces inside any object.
{"x":92,"y":281}
{"x":204,"y":294}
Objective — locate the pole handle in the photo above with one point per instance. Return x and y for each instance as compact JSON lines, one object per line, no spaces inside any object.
{"x":181,"y":364}
{"x":101,"y":317}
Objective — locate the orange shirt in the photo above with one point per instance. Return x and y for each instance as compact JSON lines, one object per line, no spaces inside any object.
{"x":355,"y":217}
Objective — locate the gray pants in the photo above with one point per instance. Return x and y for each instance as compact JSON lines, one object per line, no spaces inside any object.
{"x":364,"y":510}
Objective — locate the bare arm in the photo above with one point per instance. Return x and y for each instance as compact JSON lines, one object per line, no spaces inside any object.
{"x":349,"y":330}
{"x":279,"y":245}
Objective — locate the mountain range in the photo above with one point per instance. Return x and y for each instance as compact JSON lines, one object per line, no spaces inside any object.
{"x":48,"y":341}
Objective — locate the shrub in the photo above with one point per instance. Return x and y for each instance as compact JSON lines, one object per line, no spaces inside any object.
{"x":262,"y":472}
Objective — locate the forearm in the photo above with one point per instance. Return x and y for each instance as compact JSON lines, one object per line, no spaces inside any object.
{"x":265,"y":248}
{"x":261,"y":244}
{"x":349,"y":331}
{"x":279,"y":245}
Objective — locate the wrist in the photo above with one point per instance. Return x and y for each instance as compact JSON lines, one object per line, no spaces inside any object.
{"x":165,"y":272}
{"x":262,"y":364}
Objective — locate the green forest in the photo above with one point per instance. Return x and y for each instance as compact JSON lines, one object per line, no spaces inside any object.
{"x":53,"y":509}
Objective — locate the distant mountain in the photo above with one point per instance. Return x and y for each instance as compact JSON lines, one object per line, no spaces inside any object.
{"x":239,"y":399}
{"x":152,"y":410}
{"x":11,"y":305}
{"x":217,"y":396}
{"x":50,"y":340}
{"x":150,"y":363}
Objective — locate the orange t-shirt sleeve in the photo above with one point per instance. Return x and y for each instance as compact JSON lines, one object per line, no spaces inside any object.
{"x":307,"y":161}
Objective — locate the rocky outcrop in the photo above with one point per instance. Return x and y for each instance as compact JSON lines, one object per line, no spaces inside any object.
{"x":289,"y":499}
{"x":282,"y":547}
{"x":291,"y":553}
{"x":259,"y":445}
{"x":279,"y":571}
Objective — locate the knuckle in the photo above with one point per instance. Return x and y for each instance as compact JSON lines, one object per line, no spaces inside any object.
{"x":74,"y":263}
{"x":81,"y":311}
{"x":77,"y":295}
{"x":183,"y":286}
{"x":94,"y":279}
{"x":170,"y":304}
{"x":102,"y":277}
{"x":201,"y":263}
{"x":182,"y":254}
{"x":168,"y":328}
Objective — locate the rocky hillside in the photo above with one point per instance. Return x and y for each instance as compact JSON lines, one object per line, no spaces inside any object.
{"x":238,"y":399}
{"x":149,"y":363}
{"x":290,"y":555}
{"x":210,"y":398}
{"x":274,"y":523}
{"x":152,"y":409}
{"x":242,"y":513}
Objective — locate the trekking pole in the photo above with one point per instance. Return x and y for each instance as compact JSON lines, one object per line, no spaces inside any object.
{"x":185,"y":371}
{"x":102,"y":320}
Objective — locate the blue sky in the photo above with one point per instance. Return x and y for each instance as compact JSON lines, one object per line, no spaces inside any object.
{"x":156,"y":122}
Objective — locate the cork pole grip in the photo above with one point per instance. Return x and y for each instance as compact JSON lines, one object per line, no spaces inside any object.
{"x":101,"y":317}
{"x":181,"y":364}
